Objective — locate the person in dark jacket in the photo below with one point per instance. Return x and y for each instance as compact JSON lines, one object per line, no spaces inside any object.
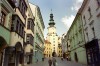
{"x":50,"y":62}
{"x":54,"y":61}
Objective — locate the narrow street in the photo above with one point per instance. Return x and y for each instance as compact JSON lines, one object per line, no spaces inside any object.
{"x":59,"y":63}
{"x":31,"y":30}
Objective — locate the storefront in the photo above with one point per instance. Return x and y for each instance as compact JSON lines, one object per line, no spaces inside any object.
{"x":93,"y":53}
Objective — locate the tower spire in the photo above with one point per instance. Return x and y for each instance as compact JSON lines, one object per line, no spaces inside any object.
{"x":51,"y":11}
{"x":51,"y":19}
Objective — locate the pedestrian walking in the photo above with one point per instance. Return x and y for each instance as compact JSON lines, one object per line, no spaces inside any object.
{"x":42,"y":59}
{"x":54,"y":61}
{"x":50,"y":62}
{"x":62,"y":58}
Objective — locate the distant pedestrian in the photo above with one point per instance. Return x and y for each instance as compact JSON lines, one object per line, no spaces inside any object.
{"x":50,"y":62}
{"x":37,"y":60}
{"x":62,"y":58}
{"x":54,"y":61}
{"x":42,"y":59}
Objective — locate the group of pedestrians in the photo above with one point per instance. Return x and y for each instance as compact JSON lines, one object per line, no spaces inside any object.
{"x":52,"y":61}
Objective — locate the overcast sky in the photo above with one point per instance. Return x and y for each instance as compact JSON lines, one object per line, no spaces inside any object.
{"x":64,"y":13}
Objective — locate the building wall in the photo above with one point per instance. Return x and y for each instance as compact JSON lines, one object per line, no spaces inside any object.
{"x":64,"y":43}
{"x":59,"y":47}
{"x":94,"y":21}
{"x":15,"y":38}
{"x":59,"y":51}
{"x":90,"y":14}
{"x":38,"y":32}
{"x":5,"y":29}
{"x":48,"y":49}
{"x":5,"y":34}
{"x":53,"y":38}
{"x":76,"y":38}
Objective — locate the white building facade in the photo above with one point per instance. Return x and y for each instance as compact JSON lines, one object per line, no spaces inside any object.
{"x":90,"y":12}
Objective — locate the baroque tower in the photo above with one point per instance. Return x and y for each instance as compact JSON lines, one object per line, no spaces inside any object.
{"x":52,"y":35}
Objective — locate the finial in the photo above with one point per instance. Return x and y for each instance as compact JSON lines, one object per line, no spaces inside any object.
{"x":51,"y":10}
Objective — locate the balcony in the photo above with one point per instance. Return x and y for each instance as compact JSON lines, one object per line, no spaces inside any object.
{"x":17,"y":25}
{"x":12,"y":3}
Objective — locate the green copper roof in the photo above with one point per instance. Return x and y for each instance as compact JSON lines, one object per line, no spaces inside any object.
{"x":51,"y":20}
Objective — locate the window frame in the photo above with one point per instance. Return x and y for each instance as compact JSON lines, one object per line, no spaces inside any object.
{"x":3,"y":17}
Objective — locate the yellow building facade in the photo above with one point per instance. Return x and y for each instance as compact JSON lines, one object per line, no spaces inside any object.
{"x":48,"y":49}
{"x":59,"y":47}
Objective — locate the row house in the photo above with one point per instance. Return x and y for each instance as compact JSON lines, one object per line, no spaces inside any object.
{"x":14,"y":53}
{"x":29,"y":37}
{"x":75,"y":38}
{"x":68,"y":57}
{"x":59,"y":50}
{"x":48,"y":49}
{"x":64,"y":45}
{"x":84,"y":34}
{"x":90,"y":13}
{"x":6,"y":11}
{"x":38,"y":33}
{"x":16,"y":33}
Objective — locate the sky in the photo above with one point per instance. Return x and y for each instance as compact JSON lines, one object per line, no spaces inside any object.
{"x":64,"y":12}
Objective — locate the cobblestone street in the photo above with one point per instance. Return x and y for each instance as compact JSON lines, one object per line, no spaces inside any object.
{"x":59,"y":62}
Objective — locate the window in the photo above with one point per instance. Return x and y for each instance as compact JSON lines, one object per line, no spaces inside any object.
{"x":28,"y":38}
{"x":92,"y":28}
{"x":89,"y":10}
{"x":84,"y":20}
{"x":17,"y":26}
{"x":22,"y":7}
{"x":28,"y":25}
{"x":87,"y":37}
{"x":93,"y":31}
{"x":12,"y":26}
{"x":2,"y":18}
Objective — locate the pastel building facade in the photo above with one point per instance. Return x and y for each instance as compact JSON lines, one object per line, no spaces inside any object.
{"x":38,"y":33}
{"x":90,"y":13}
{"x":77,"y":41}
{"x":6,"y":11}
{"x":48,"y":49}
{"x":59,"y":47}
{"x":29,"y":37}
